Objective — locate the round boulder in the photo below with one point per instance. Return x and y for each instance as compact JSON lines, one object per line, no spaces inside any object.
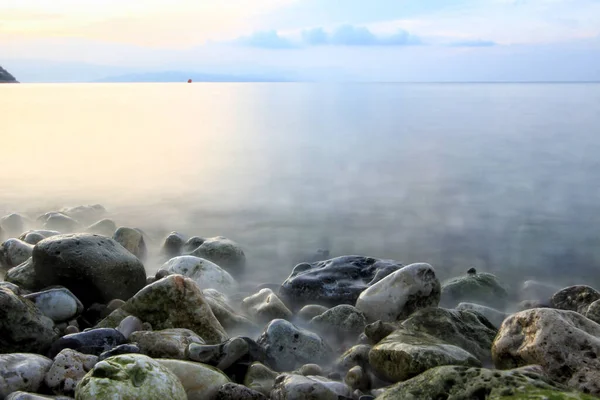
{"x":206,"y":274}
{"x":224,"y":252}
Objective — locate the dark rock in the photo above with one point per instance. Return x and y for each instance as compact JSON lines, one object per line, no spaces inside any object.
{"x":378,"y":330}
{"x":23,"y":327}
{"x":234,"y":391}
{"x":224,"y":252}
{"x":333,"y":282}
{"x":24,"y":276}
{"x":5,"y":77}
{"x":94,"y":341}
{"x":173,"y":245}
{"x":575,"y":298}
{"x":94,"y":268}
{"x":129,"y":348}
{"x":192,"y":244}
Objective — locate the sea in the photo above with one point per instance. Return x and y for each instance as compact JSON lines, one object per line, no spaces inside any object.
{"x":501,"y":177}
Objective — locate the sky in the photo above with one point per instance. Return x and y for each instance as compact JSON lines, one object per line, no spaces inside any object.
{"x":323,"y":40}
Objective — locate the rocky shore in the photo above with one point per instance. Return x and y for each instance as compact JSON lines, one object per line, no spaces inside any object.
{"x":82,"y":317}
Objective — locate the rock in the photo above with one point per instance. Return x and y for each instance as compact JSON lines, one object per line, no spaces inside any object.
{"x":57,"y":304}
{"x":357,"y":355}
{"x":575,"y":298}
{"x":333,"y":282}
{"x":57,"y":221}
{"x":357,"y":379}
{"x":540,"y":291}
{"x":201,"y":382}
{"x":298,"y":387}
{"x":22,"y":371}
{"x":67,"y":370}
{"x":37,"y":235}
{"x":205,"y":273}
{"x":265,"y":306}
{"x":13,"y":224}
{"x":132,"y":240}
{"x":494,"y":316}
{"x":260,"y":378}
{"x":400,"y":293}
{"x":233,"y":357}
{"x":288,"y":347}
{"x":114,"y":304}
{"x":23,"y":327}
{"x":455,"y":382}
{"x":105,"y":227}
{"x":465,"y":329}
{"x":192,"y":244}
{"x":24,"y":276}
{"x":310,"y":369}
{"x":14,"y":252}
{"x":480,"y":288}
{"x":166,"y":343}
{"x":593,"y":311}
{"x":33,"y":396}
{"x":233,"y":323}
{"x":131,"y":376}
{"x":405,"y":354}
{"x":340,"y":323}
{"x":130,"y":325}
{"x":119,"y":350}
{"x":172,"y":302}
{"x":378,"y":330}
{"x":87,"y":213}
{"x":12,"y":287}
{"x":173,"y":245}
{"x":94,"y":341}
{"x":224,"y":252}
{"x":234,"y":391}
{"x":71,"y":329}
{"x":94,"y":268}
{"x":310,"y":311}
{"x":564,"y":343}
{"x":529,"y":304}
{"x":5,"y":77}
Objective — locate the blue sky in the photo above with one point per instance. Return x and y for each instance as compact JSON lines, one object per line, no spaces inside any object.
{"x":374,"y":40}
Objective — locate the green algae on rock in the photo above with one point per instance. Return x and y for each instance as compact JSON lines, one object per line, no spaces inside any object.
{"x":131,"y":376}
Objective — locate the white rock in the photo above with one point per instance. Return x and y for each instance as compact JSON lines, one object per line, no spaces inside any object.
{"x":57,"y":304}
{"x":68,"y":369}
{"x":265,"y":306}
{"x":200,"y":381}
{"x":401,"y":293}
{"x":206,"y":274}
{"x":22,"y":371}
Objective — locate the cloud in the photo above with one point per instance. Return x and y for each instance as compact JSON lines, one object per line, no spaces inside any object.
{"x":315,"y":36}
{"x":267,"y":40}
{"x":474,"y":43}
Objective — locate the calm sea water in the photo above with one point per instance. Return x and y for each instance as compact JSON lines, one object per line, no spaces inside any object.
{"x":503,"y":177}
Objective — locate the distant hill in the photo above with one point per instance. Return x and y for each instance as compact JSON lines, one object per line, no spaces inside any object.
{"x":5,"y":77}
{"x":176,"y":76}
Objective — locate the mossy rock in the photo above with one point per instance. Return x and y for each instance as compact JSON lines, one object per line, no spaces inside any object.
{"x":480,"y":288}
{"x":458,"y":383}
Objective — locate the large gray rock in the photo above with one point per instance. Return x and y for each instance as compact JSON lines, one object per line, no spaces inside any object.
{"x":288,"y":347}
{"x":494,"y":316}
{"x":333,"y":282}
{"x":130,"y":376}
{"x":14,"y":252}
{"x":480,"y":288}
{"x":22,"y":371}
{"x":5,"y":77}
{"x":206,"y":274}
{"x":401,"y":293}
{"x":104,"y":227}
{"x":37,"y":235}
{"x":458,"y":383}
{"x":24,"y":276}
{"x":406,"y":353}
{"x":575,"y":298}
{"x":23,"y":327}
{"x":298,"y":387}
{"x":339,"y":324}
{"x":265,"y":306}
{"x":95,"y":268}
{"x":13,"y":224}
{"x":132,"y":240}
{"x":166,"y":343}
{"x":224,"y":252}
{"x":172,"y":302}
{"x":93,"y":341}
{"x":593,"y":311}
{"x":58,"y":221}
{"x":67,"y":370}
{"x":200,"y":382}
{"x":173,"y":245}
{"x":564,"y":343}
{"x":58,"y":304}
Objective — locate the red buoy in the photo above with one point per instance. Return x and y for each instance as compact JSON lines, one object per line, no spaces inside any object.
{"x":189,"y":81}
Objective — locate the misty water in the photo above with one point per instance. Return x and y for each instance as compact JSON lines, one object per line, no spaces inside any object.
{"x":502,"y":177}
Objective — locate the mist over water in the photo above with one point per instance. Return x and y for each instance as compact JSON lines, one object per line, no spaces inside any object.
{"x":503,"y":177}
